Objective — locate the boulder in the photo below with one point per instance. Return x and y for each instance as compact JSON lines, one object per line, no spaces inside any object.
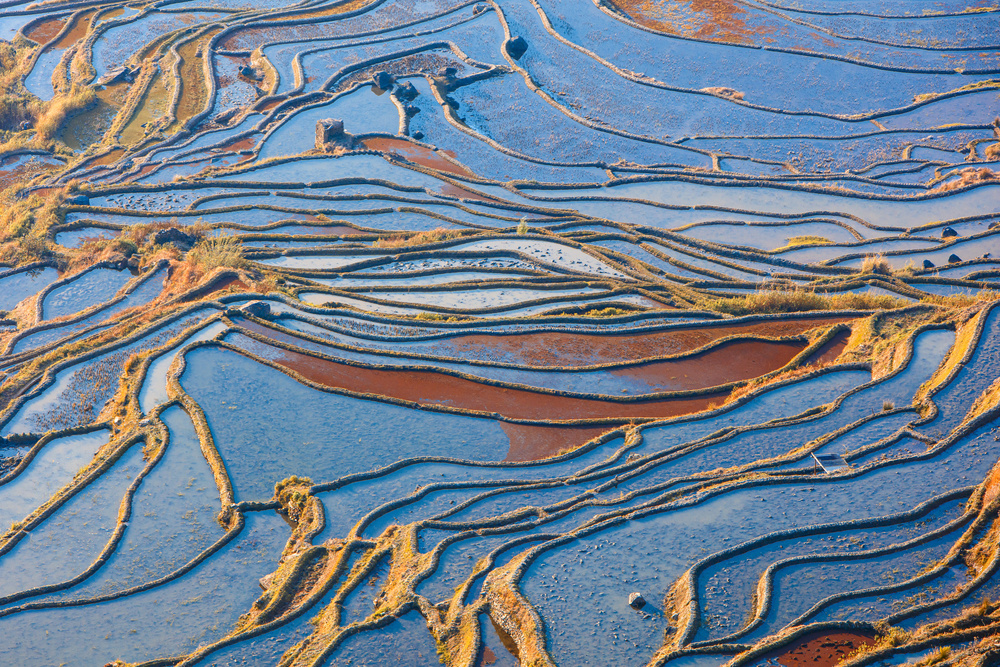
{"x":119,"y":74}
{"x":411,"y":110}
{"x":330,"y":133}
{"x":226,"y":116}
{"x":928,"y":264}
{"x":516,"y":47}
{"x":953,"y":258}
{"x":636,"y":601}
{"x":250,"y":73}
{"x":117,"y":261}
{"x":25,"y":125}
{"x":259,"y":309}
{"x":418,"y":135}
{"x":383,"y":80}
{"x":722,"y":91}
{"x":78,"y":200}
{"x":407,"y":92}
{"x":447,"y":72}
{"x":948,"y":231}
{"x":176,"y":237}
{"x":329,"y":130}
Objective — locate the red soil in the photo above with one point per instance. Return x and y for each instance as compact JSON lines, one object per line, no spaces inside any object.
{"x":828,"y":353}
{"x":415,"y":154}
{"x":434,"y":388}
{"x":823,"y":650}
{"x":729,"y":362}
{"x":716,"y":20}
{"x":46,"y":30}
{"x":532,"y":443}
{"x":566,"y":349}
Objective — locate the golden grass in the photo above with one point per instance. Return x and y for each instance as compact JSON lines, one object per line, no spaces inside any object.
{"x":794,"y":241}
{"x":420,"y":238}
{"x":961,"y":300}
{"x":799,"y":300}
{"x":63,"y":106}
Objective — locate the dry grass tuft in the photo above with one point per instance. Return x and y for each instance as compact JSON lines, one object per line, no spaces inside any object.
{"x":217,"y":252}
{"x":876,"y":264}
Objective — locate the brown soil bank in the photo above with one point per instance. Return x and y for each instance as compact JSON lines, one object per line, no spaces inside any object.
{"x":568,"y":349}
{"x":818,"y":650}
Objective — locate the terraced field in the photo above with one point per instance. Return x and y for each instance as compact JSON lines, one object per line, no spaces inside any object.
{"x":517,"y":332}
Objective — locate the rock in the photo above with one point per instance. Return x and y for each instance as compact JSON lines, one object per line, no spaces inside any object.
{"x":330,"y":133}
{"x":226,"y":116}
{"x":383,"y":80}
{"x":181,"y":240}
{"x":133,"y":262}
{"x":329,"y":130}
{"x":25,"y":125}
{"x":250,"y":73}
{"x":418,"y":135}
{"x":516,"y":47}
{"x":928,"y":264}
{"x":259,"y":309}
{"x":636,"y":601}
{"x":407,"y":92}
{"x":411,"y":110}
{"x":722,"y":91}
{"x":994,"y":225}
{"x":78,"y":200}
{"x":948,"y":231}
{"x":119,"y":74}
{"x":953,"y":258}
{"x":117,"y":261}
{"x":479,"y":9}
{"x":447,"y":72}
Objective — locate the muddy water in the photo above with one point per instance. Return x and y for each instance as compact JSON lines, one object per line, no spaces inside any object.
{"x":558,"y":348}
{"x":432,"y":388}
{"x":45,"y":31}
{"x":416,"y":154}
{"x":818,"y":650}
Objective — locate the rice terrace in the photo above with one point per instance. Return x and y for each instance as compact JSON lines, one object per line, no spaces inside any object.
{"x":641,"y":333}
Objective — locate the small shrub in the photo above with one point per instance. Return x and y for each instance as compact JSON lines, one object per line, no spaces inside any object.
{"x":876,"y":264}
{"x":522,"y":228}
{"x":887,"y":405}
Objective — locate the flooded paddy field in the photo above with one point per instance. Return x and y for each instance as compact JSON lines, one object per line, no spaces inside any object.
{"x":504,"y":332}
